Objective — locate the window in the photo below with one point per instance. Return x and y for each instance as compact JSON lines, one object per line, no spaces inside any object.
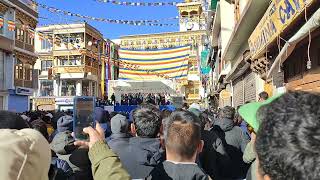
{"x":28,"y":75}
{"x":20,"y":32}
{"x":46,"y":45}
{"x":63,"y":62}
{"x":29,"y":38}
{"x":93,"y":88}
{"x":19,"y":70}
{"x":45,"y":65}
{"x":73,"y":61}
{"x":46,"y":88}
{"x":85,"y":88}
{"x":68,"y":88}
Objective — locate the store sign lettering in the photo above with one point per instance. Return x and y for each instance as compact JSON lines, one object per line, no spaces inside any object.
{"x":276,"y":19}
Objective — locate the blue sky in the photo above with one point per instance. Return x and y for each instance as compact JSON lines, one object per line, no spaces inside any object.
{"x":104,"y":10}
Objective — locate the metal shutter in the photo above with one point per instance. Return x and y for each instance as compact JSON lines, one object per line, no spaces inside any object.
{"x":238,"y":92}
{"x":250,"y":87}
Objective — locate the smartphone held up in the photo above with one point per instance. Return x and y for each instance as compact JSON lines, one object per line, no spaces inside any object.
{"x":83,"y":112}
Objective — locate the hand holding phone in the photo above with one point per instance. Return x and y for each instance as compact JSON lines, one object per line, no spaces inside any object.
{"x":95,"y":135}
{"x":83,"y":112}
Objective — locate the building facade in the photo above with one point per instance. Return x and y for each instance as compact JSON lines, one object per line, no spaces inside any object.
{"x":192,"y":31}
{"x":232,"y":82}
{"x":18,"y":19}
{"x":261,"y":46}
{"x":287,"y":58}
{"x":73,"y":61}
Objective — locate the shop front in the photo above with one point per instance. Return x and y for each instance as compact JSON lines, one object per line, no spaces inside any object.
{"x":44,"y":103}
{"x":64,"y":103}
{"x":284,"y":47}
{"x":18,"y":99}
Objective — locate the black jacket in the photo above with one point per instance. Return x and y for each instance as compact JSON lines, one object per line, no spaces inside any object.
{"x":234,"y":141}
{"x":139,"y":155}
{"x":118,"y":142}
{"x":171,"y":171}
{"x":213,"y":155}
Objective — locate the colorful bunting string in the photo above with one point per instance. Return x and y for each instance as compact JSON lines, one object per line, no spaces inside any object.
{"x":114,"y":21}
{"x":123,"y":3}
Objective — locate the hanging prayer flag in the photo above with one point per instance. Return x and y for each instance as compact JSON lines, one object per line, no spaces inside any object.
{"x":1,"y":22}
{"x":11,"y":25}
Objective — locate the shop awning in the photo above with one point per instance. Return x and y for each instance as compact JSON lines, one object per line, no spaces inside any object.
{"x":309,"y":26}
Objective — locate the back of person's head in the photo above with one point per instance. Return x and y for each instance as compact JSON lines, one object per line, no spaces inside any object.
{"x":263,"y":96}
{"x":40,"y":126}
{"x":100,"y":115}
{"x":183,"y":135}
{"x":10,"y":120}
{"x":25,"y":154}
{"x":288,"y":139}
{"x":206,"y":123}
{"x":165,"y":113}
{"x":146,"y":121}
{"x":227,"y":112}
{"x":119,"y":124}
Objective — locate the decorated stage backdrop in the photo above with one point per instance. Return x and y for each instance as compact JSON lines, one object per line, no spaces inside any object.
{"x":171,"y":63}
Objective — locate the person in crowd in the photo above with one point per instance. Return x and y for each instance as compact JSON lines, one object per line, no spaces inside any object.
{"x":10,"y":120}
{"x":65,"y":123}
{"x":247,"y":113}
{"x":25,"y":117}
{"x":183,"y":143}
{"x":144,"y":150}
{"x":185,"y":106}
{"x":113,"y":99}
{"x":119,"y":138}
{"x":40,"y":126}
{"x":54,"y":123}
{"x":105,"y":163}
{"x":25,"y":154}
{"x":263,"y":96}
{"x":47,"y":118}
{"x":72,"y":160}
{"x":214,"y":153}
{"x":287,"y":142}
{"x":235,"y":142}
{"x":103,"y":117}
{"x":238,"y":121}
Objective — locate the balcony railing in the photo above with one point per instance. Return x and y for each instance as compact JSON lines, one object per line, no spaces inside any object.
{"x":23,"y":45}
{"x":75,"y":69}
{"x":23,"y":83}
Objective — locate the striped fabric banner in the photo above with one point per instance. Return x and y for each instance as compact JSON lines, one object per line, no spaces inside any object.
{"x":155,"y":64}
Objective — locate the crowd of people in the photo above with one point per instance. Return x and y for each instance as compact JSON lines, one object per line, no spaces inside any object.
{"x":275,"y":138}
{"x":133,"y":99}
{"x":139,"y":98}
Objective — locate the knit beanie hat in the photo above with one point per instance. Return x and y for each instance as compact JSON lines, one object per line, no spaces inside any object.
{"x":65,"y":123}
{"x":119,"y":124}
